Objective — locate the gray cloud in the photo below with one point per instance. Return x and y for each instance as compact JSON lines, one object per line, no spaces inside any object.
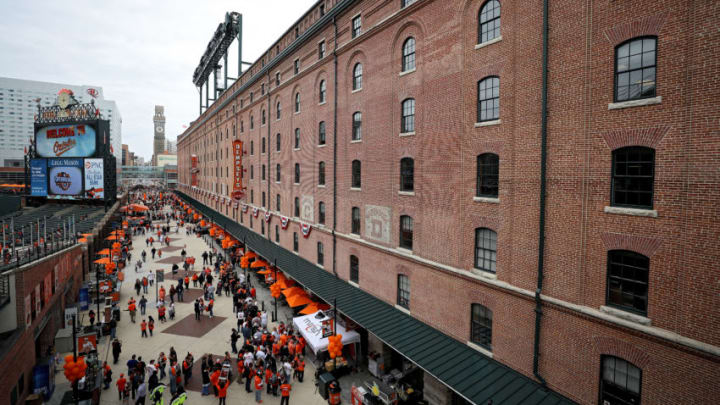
{"x":141,"y":53}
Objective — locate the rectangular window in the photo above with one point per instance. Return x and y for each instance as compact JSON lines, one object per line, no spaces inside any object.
{"x":356,"y":26}
{"x":403,"y":291}
{"x":296,"y":66}
{"x":321,"y":50}
{"x":320,"y":253}
{"x":277,"y":234}
{"x":295,"y":242}
{"x":354,"y":269}
{"x":481,"y":326}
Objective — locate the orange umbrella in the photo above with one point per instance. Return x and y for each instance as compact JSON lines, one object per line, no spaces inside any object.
{"x":292,"y":291}
{"x":298,"y":300}
{"x":138,"y":207}
{"x":284,"y":283}
{"x":118,"y":232}
{"x":86,"y":234}
{"x":250,"y":255}
{"x":113,"y":237}
{"x":258,"y":263}
{"x":314,"y":307}
{"x":82,"y":240}
{"x":266,"y":271}
{"x":104,"y":252}
{"x":104,"y":260}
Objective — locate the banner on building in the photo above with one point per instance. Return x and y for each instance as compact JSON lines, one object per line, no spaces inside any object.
{"x":194,"y":170}
{"x":94,"y":179}
{"x":38,"y":177}
{"x":238,"y":189}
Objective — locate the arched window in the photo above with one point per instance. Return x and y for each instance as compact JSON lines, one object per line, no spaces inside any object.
{"x":488,"y":108}
{"x":354,"y":269}
{"x":321,"y":133}
{"x":297,"y":173}
{"x":277,"y":142}
{"x":357,"y":126}
{"x":277,"y":202}
{"x":485,"y":249}
{"x":262,"y":174}
{"x":403,"y":291}
{"x":355,"y":221}
{"x":633,"y":175}
{"x":635,"y":63}
{"x":357,"y":77}
{"x":481,"y":326}
{"x":407,"y":122}
{"x":263,"y":145}
{"x":277,"y":110}
{"x":405,"y":3}
{"x":263,"y":117}
{"x":320,"y":253}
{"x":323,"y":91}
{"x":489,"y":21}
{"x":407,"y":174}
{"x":321,"y":173}
{"x":296,"y":242}
{"x":277,"y":233}
{"x":297,"y":206}
{"x":408,"y":55}
{"x":297,"y":138}
{"x":488,"y":175}
{"x":297,"y":102}
{"x":620,"y":381}
{"x":356,"y":174}
{"x":321,"y":213}
{"x":277,"y":172}
{"x":406,"y":232}
{"x":252,"y":122}
{"x":627,"y":280}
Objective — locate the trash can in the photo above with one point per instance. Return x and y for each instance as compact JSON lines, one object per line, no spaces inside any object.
{"x":324,"y":381}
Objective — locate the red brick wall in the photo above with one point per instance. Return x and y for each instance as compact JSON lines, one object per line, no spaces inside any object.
{"x":21,"y":358}
{"x":582,"y":132}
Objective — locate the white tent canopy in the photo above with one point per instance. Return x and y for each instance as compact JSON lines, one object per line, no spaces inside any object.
{"x":311,"y":329}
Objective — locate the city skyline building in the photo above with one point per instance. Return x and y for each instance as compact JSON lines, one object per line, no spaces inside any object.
{"x":159,"y":145}
{"x":18,"y":107}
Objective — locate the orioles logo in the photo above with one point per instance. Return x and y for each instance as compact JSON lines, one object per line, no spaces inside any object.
{"x":92,"y":92}
{"x":63,"y":181}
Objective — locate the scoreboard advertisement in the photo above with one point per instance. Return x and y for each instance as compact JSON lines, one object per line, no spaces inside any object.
{"x":71,"y":156}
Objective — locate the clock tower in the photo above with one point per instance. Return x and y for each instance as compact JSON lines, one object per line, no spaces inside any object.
{"x":159,"y":125}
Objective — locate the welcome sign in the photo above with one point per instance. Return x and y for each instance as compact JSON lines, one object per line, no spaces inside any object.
{"x":66,"y":141}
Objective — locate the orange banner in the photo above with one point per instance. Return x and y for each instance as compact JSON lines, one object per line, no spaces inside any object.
{"x":238,"y":189}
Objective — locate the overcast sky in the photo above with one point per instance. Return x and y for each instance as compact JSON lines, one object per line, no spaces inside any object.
{"x":141,"y":53}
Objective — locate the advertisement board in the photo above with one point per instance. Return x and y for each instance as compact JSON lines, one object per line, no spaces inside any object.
{"x":70,"y":140}
{"x":238,"y":189}
{"x":94,"y":179}
{"x":38,"y":177}
{"x":65,"y":177}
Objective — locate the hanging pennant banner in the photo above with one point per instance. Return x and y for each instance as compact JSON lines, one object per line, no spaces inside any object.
{"x":255,"y":212}
{"x":268,"y":215}
{"x":305,"y":228}
{"x":245,"y":208}
{"x":238,"y":189}
{"x":284,"y":221}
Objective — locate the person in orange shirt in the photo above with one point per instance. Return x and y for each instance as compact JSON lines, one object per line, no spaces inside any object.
{"x":161,"y":293}
{"x":214,"y":378}
{"x":222,"y":387}
{"x":291,"y":347}
{"x":121,"y":385}
{"x":285,"y":389}
{"x":151,"y":325}
{"x":268,"y":378}
{"x":143,"y":328}
{"x":300,"y":368}
{"x":276,"y":348}
{"x":258,"y":388}
{"x":132,"y":310}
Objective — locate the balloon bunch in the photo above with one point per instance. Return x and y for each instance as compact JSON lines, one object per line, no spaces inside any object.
{"x":335,"y":346}
{"x":275,"y":290}
{"x":74,"y":369}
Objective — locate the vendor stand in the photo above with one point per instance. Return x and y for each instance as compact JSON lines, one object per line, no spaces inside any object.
{"x":311,"y":328}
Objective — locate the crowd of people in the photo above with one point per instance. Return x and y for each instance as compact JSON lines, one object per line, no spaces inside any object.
{"x":265,"y":360}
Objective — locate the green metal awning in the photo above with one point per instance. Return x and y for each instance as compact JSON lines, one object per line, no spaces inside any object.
{"x":466,"y":371}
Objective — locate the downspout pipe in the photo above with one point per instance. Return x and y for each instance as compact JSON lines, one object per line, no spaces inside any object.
{"x":268,"y":171}
{"x":335,"y":112}
{"x":543,"y":174}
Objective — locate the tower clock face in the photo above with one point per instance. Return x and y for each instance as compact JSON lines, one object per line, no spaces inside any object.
{"x":159,"y":129}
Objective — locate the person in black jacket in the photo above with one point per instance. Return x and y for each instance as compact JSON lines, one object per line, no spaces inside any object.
{"x":153,"y":381}
{"x":116,"y":349}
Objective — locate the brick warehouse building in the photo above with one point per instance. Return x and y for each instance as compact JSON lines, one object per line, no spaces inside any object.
{"x":418,"y":140}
